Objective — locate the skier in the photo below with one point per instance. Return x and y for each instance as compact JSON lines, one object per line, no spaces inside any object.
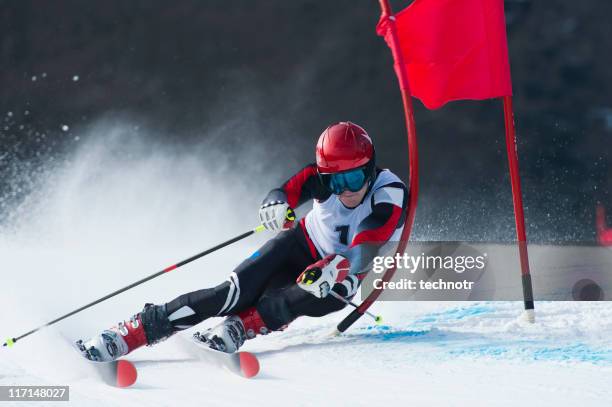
{"x":357,"y":208}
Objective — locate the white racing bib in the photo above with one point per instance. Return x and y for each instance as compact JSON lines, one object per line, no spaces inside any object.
{"x":332,"y":226}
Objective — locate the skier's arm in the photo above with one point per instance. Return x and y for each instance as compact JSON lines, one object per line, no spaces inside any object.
{"x":303,"y":186}
{"x":373,"y":232}
{"x":320,"y":277}
{"x":388,"y":215}
{"x":388,"y":209}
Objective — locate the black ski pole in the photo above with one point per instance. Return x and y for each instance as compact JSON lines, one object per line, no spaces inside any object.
{"x":377,"y":318}
{"x":11,"y":341}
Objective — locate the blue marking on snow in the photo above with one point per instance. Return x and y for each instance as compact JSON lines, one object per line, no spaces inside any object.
{"x":456,"y":313}
{"x":444,"y":344}
{"x":398,"y":335}
{"x":444,"y":335}
{"x":576,"y":352}
{"x":491,"y":350}
{"x":386,"y":333}
{"x":530,"y":350}
{"x":378,"y":328}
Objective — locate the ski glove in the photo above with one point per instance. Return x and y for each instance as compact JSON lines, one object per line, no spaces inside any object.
{"x":276,"y":215}
{"x":319,"y":278}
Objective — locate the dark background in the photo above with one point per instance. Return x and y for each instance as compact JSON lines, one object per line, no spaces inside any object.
{"x":289,"y":68}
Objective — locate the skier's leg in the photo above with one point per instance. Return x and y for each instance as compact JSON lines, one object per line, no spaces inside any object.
{"x":158,"y":322}
{"x":279,"y":307}
{"x":275,"y":309}
{"x":244,"y":321}
{"x":282,"y":302}
{"x":243,"y":287}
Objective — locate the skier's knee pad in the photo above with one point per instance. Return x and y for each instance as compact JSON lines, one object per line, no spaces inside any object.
{"x":156,"y":324}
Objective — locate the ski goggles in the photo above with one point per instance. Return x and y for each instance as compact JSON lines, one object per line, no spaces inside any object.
{"x":352,"y":180}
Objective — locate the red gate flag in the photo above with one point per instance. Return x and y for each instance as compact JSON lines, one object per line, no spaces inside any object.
{"x":451,"y":49}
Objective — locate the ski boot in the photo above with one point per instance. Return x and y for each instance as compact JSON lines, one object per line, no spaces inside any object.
{"x":231,"y":334}
{"x":145,"y":328}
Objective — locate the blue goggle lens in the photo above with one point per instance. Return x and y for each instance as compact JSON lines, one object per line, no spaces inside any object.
{"x":352,"y":180}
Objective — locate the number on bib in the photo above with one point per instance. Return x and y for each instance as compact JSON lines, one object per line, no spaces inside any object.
{"x":343,"y":229}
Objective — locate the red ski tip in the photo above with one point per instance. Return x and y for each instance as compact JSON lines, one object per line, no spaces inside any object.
{"x":126,"y":373}
{"x":249,"y":365}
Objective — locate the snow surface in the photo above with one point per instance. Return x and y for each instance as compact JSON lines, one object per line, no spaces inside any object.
{"x":429,"y":354}
{"x":96,"y":225}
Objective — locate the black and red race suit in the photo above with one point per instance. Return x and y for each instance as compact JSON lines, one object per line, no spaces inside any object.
{"x":266,"y":280}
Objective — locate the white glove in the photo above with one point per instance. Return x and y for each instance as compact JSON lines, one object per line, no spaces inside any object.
{"x":276,"y":215}
{"x":319,"y":278}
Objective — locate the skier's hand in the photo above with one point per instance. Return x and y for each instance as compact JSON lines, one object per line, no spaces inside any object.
{"x":276,"y":215}
{"x":319,"y":278}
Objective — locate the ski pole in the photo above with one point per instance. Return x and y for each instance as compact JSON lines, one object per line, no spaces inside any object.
{"x":377,"y":318}
{"x":11,"y":341}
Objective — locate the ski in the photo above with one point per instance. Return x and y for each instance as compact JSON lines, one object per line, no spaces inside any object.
{"x":243,"y":364}
{"x":118,"y":373}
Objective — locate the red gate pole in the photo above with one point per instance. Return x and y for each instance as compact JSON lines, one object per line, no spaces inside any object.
{"x":517,"y":200}
{"x":413,"y":181}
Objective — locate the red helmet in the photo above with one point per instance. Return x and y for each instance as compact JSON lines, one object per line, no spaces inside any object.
{"x":344,"y":146}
